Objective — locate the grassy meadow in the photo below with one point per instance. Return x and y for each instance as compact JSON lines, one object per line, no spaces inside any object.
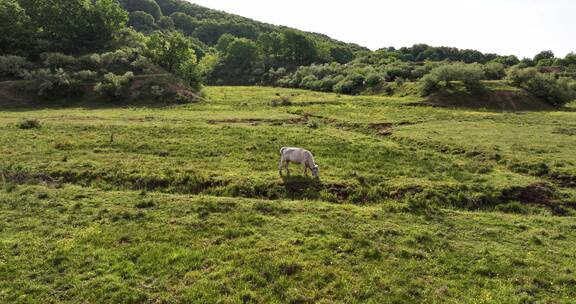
{"x":184,"y":204}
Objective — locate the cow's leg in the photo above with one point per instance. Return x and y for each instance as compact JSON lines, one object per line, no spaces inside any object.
{"x":280,"y":165}
{"x":286,"y":164}
{"x":305,"y":169}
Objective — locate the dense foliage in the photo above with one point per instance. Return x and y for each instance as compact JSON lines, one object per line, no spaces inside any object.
{"x":443,"y":77}
{"x":35,"y":26}
{"x":556,"y":91}
{"x":203,"y":45}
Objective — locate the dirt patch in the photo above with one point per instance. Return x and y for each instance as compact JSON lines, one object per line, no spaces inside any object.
{"x":163,"y":89}
{"x":16,"y":93}
{"x":539,"y":193}
{"x":22,"y":177}
{"x":495,"y":100}
{"x":315,"y":103}
{"x":565,"y":181}
{"x":259,"y":121}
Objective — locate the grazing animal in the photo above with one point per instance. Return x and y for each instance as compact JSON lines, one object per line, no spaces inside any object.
{"x":298,"y":156}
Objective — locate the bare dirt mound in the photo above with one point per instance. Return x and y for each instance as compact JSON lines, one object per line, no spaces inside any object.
{"x":14,"y":93}
{"x":146,"y":90}
{"x":493,"y":100}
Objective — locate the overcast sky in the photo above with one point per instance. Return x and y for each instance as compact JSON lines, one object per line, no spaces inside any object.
{"x":519,"y":27}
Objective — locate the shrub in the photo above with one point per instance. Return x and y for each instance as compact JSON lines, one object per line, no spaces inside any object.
{"x":397,"y":69}
{"x":554,"y":91}
{"x":352,"y":84}
{"x":518,"y":76}
{"x":374,"y":80}
{"x":90,"y":61}
{"x":189,"y":72}
{"x":118,"y":56}
{"x":29,"y":124}
{"x":54,"y":83}
{"x":114,"y":86}
{"x":143,"y":65}
{"x":57,"y":60}
{"x":13,"y":66}
{"x":443,"y":77}
{"x":494,"y":70}
{"x":281,"y":101}
{"x":86,"y":75}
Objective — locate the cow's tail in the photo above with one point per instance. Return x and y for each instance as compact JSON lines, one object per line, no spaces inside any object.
{"x":282,"y":150}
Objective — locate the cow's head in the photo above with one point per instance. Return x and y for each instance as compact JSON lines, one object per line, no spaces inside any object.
{"x":315,"y":171}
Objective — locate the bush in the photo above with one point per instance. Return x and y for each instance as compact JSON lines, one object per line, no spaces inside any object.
{"x":374,"y":80}
{"x":518,"y":76}
{"x":54,"y":83}
{"x":352,"y":84}
{"x":57,"y":60}
{"x":86,"y":75}
{"x":310,"y":82}
{"x":118,"y":56}
{"x":90,"y":61}
{"x":443,"y":77}
{"x":554,"y":91}
{"x":13,"y":66}
{"x":29,"y":124}
{"x":281,"y":101}
{"x":115,"y":86}
{"x":494,"y":70}
{"x":143,"y":65}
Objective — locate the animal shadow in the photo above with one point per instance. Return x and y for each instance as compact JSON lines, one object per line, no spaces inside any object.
{"x":298,"y":186}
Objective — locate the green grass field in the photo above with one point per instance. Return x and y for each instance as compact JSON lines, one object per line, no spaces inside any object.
{"x":185,"y":204}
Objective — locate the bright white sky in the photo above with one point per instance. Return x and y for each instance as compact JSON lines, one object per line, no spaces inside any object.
{"x":519,"y":27}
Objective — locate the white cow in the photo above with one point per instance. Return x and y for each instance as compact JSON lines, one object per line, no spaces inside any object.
{"x":299,"y":156}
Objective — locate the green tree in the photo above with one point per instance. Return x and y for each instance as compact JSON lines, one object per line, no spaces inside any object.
{"x":241,"y":54}
{"x":224,"y":42}
{"x":297,"y":48}
{"x":166,"y":23}
{"x":76,"y":25}
{"x":142,"y":21}
{"x":570,"y":59}
{"x":16,"y":28}
{"x":148,"y":6}
{"x":207,"y":65}
{"x":341,"y":54}
{"x":270,"y":45}
{"x":544,"y":55}
{"x":184,"y":22}
{"x":174,"y":52}
{"x":444,"y":76}
{"x":169,"y":50}
{"x":209,"y":33}
{"x":507,"y":60}
{"x":494,"y":70}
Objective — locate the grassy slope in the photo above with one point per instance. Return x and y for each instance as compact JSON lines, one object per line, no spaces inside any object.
{"x":104,"y":242}
{"x":75,"y":245}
